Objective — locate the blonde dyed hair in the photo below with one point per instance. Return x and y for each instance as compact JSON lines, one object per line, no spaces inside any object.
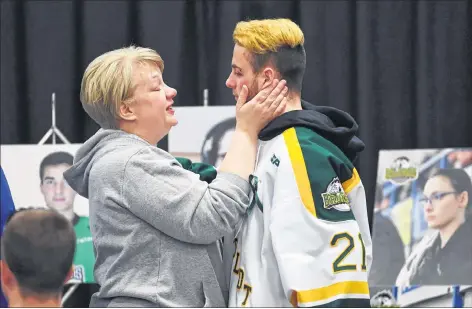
{"x":275,"y":41}
{"x":108,"y":82}
{"x":262,"y":36}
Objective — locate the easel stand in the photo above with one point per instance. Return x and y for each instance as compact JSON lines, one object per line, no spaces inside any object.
{"x":205,"y":97}
{"x":53,"y":131}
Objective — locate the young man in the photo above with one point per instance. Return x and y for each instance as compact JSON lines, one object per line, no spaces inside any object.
{"x":216,"y":142}
{"x":306,"y":240}
{"x":37,"y":250}
{"x":59,"y":196}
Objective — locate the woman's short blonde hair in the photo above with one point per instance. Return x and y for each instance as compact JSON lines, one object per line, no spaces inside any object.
{"x":108,"y":82}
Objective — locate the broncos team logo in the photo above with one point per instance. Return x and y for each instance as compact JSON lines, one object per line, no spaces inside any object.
{"x":335,"y":197}
{"x":383,"y":298}
{"x":79,"y":274}
{"x":401,"y":171}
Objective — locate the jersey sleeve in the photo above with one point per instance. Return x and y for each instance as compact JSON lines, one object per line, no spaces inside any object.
{"x":206,"y":172}
{"x":320,"y":250}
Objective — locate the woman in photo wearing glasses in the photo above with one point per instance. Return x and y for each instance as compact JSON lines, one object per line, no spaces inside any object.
{"x":443,"y":257}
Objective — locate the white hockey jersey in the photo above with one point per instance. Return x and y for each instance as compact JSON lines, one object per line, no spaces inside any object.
{"x":305,"y":241}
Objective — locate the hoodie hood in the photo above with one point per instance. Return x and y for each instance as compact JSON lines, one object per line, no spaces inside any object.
{"x":77,"y":176}
{"x":333,"y":124}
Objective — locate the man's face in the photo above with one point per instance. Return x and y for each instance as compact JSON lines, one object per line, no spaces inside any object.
{"x":242,"y":74}
{"x":57,"y":193}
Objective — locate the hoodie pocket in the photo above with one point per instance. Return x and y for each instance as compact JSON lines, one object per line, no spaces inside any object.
{"x":212,"y":296}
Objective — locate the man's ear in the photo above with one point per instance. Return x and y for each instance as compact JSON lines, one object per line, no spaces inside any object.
{"x":69,"y":275}
{"x":126,"y":111}
{"x":6,"y":276}
{"x":268,"y":75}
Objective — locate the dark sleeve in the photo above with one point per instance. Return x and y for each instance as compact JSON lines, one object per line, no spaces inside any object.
{"x":206,"y":172}
{"x":388,"y":253}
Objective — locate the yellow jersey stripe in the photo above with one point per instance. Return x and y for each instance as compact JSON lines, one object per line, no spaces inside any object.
{"x":299,"y":169}
{"x":351,"y":183}
{"x":327,"y":292}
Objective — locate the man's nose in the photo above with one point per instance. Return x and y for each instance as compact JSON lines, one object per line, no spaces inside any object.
{"x":229,"y":83}
{"x":59,"y":188}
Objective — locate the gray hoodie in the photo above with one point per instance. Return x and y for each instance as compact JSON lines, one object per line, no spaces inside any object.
{"x":155,"y":225}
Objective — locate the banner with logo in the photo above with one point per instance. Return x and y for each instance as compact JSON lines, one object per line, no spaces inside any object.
{"x":35,"y":177}
{"x":203,"y":134}
{"x":423,"y":218}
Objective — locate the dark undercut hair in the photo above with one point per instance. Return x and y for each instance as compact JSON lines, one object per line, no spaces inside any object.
{"x":289,"y":62}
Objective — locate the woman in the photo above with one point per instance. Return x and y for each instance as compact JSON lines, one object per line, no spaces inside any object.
{"x":444,"y":256}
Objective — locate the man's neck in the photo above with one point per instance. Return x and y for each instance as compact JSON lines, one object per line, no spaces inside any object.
{"x":294,"y":102}
{"x":33,"y":302}
{"x":69,"y":215}
{"x":447,"y":231}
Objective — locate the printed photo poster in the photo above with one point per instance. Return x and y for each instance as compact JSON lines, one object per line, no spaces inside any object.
{"x":203,"y":134}
{"x":425,"y":296}
{"x":34,"y":173}
{"x":422,"y":222}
